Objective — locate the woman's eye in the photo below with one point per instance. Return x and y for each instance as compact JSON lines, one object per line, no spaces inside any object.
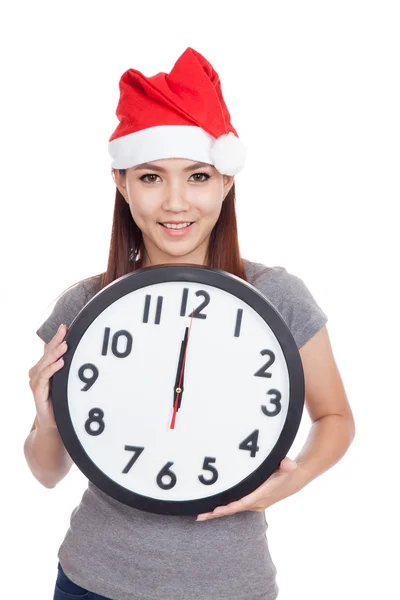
{"x":206,"y":175}
{"x":148,"y":175}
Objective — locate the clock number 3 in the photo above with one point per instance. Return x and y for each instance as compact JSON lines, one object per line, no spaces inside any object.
{"x":276,"y":401}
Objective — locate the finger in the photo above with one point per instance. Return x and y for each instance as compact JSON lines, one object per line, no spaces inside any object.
{"x":57,"y":338}
{"x":53,"y":355}
{"x":41,"y":381}
{"x":287,"y":464}
{"x":203,"y":516}
{"x":234,"y":507}
{"x":209,"y":515}
{"x":50,"y":353}
{"x":229,"y":509}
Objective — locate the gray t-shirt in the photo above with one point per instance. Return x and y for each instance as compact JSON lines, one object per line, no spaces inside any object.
{"x":127,"y":554}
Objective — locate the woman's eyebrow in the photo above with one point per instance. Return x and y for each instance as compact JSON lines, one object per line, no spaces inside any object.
{"x":162,"y":170}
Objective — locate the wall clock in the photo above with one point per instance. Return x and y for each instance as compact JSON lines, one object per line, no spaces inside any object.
{"x":182,"y":389}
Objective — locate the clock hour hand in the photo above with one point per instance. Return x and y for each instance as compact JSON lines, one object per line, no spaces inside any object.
{"x":180,"y":372}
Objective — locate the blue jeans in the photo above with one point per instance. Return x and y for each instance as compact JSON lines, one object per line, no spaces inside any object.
{"x":65,"y":589}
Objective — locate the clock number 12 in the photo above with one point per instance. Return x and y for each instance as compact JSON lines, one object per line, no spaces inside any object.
{"x":197,"y":314}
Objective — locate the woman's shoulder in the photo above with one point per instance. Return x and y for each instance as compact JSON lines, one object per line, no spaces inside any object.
{"x":256,"y":270}
{"x":65,"y":307}
{"x":290,"y":296}
{"x":278,"y":281}
{"x":79,"y":293}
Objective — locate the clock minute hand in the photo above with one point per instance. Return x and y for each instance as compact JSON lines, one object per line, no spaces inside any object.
{"x":181,"y":368}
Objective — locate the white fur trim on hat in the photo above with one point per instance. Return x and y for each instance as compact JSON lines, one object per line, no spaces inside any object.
{"x":177,"y":141}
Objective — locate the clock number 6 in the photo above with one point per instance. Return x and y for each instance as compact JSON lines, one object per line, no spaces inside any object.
{"x":165,"y":472}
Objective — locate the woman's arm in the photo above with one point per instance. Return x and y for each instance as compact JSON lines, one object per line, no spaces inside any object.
{"x":44,"y":450}
{"x":46,"y":456}
{"x":333,"y":427}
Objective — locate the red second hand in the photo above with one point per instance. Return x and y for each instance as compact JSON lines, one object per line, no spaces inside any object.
{"x":172,"y":425}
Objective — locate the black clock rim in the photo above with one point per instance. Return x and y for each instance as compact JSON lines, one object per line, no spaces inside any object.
{"x":195,"y":274}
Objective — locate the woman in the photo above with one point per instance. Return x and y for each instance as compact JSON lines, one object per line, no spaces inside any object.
{"x":175,"y":154}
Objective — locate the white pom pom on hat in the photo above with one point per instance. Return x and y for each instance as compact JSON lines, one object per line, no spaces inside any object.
{"x":181,"y":114}
{"x":228,"y":154}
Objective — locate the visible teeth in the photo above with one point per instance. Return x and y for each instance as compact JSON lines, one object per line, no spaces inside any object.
{"x":176,"y":225}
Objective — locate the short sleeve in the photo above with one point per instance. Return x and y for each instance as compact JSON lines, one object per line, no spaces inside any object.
{"x":294,"y":301}
{"x":64,"y":309}
{"x":302,"y":312}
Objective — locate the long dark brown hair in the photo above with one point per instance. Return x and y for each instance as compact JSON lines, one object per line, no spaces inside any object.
{"x":127,"y":248}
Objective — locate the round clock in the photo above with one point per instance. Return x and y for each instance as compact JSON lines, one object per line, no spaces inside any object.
{"x":182,"y":389}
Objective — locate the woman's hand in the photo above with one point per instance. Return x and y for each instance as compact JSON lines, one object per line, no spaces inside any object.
{"x":40,"y":374}
{"x":281,"y":484}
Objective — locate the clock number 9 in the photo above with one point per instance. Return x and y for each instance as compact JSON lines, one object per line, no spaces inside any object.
{"x":88,"y":380}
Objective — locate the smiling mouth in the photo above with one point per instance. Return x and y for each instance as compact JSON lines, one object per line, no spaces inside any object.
{"x":177,"y":227}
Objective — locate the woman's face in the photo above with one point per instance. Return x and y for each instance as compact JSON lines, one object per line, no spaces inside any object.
{"x":171,"y":191}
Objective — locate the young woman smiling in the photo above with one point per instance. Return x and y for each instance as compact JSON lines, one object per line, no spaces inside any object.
{"x":174,"y":156}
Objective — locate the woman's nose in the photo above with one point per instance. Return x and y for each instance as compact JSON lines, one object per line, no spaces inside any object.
{"x":175,"y":199}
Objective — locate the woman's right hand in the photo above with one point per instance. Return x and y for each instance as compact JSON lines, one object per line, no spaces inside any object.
{"x":39,"y":376}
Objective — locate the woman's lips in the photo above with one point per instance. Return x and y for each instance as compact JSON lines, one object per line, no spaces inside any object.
{"x":176,"y":232}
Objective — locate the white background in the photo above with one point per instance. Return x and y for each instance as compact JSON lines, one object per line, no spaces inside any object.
{"x":313,"y":91}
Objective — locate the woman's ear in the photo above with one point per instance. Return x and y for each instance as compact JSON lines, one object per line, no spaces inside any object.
{"x":228,"y":183}
{"x":120,"y":182}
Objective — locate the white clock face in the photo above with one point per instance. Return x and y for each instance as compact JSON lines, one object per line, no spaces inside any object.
{"x":122,"y":390}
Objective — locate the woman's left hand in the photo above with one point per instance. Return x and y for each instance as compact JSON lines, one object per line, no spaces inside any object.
{"x":281,"y":484}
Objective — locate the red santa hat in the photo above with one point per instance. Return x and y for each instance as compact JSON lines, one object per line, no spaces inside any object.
{"x":181,"y":114}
